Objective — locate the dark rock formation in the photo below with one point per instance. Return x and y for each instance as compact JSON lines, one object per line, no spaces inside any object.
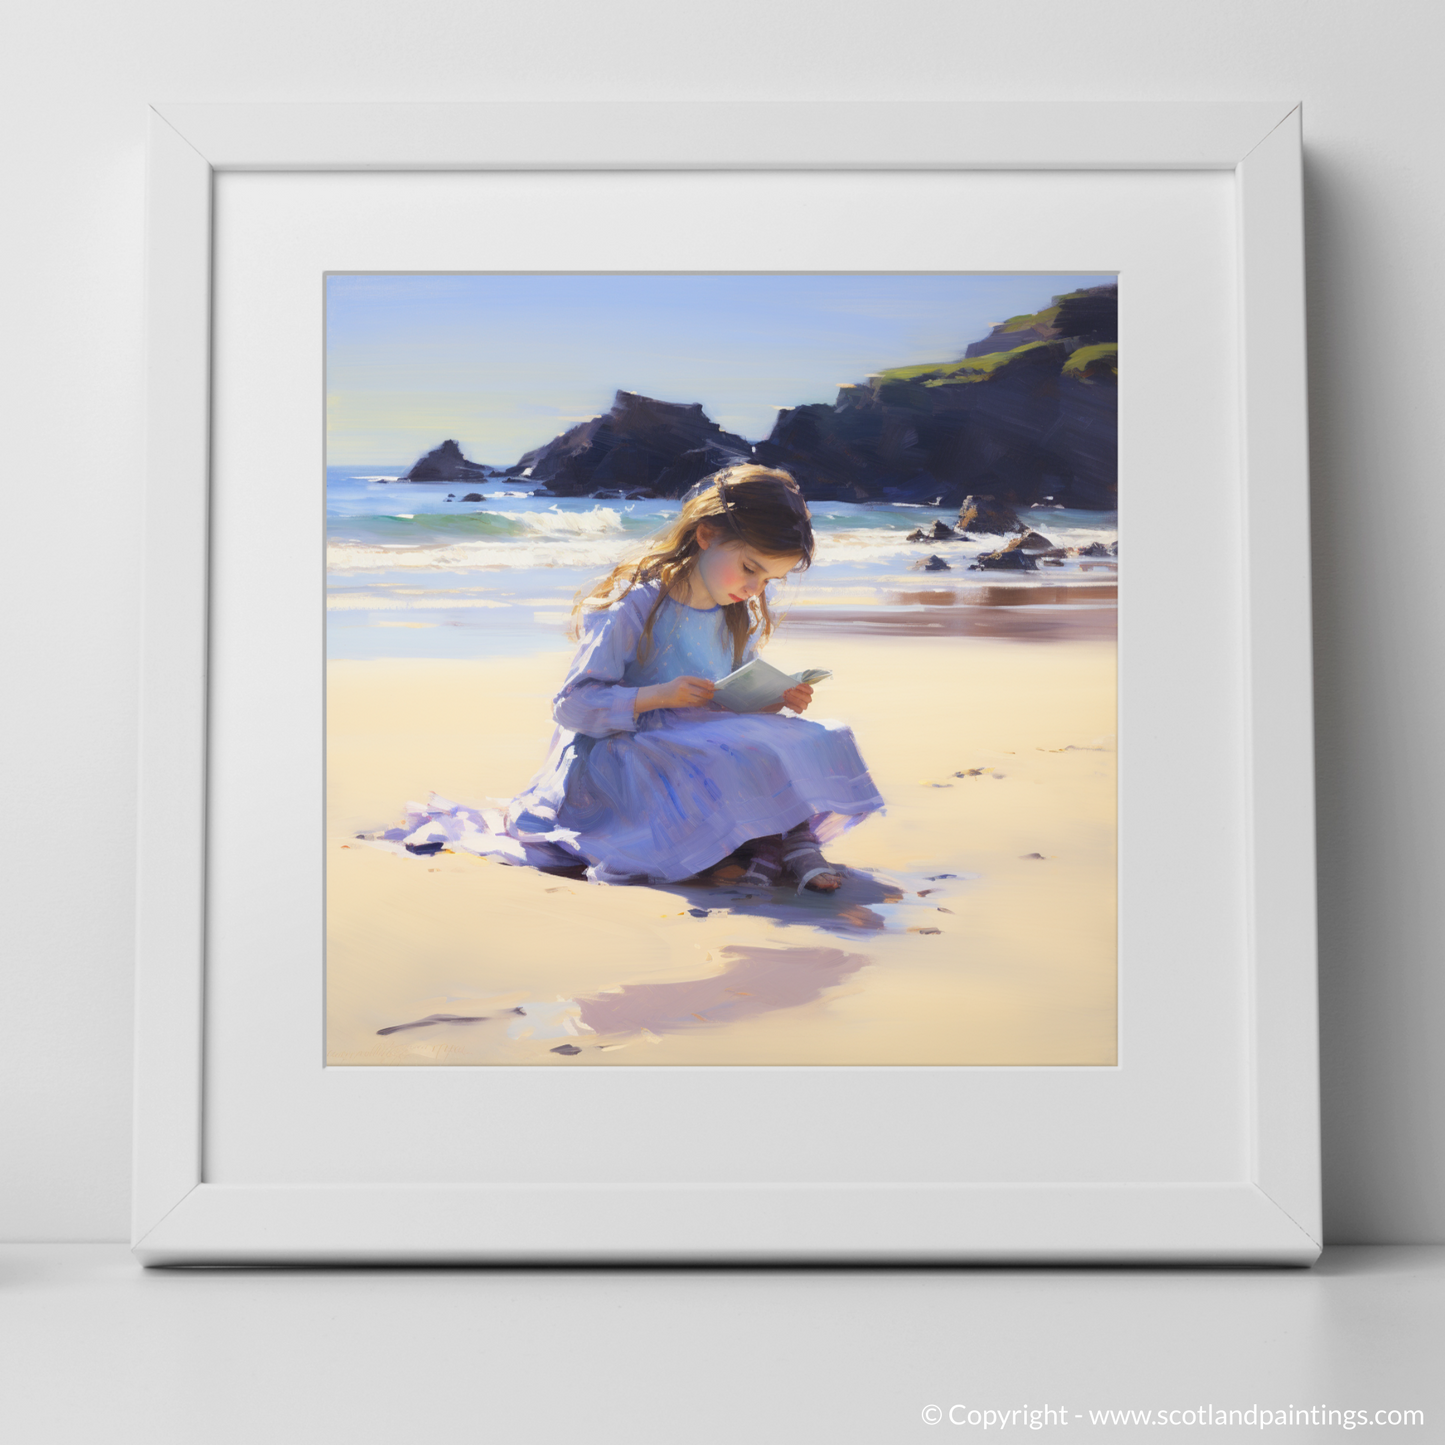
{"x":1011,"y":558}
{"x":1034,"y":542}
{"x":445,"y":464}
{"x":1026,"y":415}
{"x":1019,"y":420}
{"x":934,"y":563}
{"x":1096,"y":549}
{"x":851,"y":451}
{"x":640,"y":445}
{"x":1092,"y":316}
{"x":473,"y":497}
{"x":1005,"y":562}
{"x":983,"y":514}
{"x":1001,"y":339}
{"x":692,"y":466}
{"x":938,"y":532}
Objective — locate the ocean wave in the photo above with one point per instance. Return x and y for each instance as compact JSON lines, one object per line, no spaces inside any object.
{"x":464,"y":556}
{"x":601,"y":537}
{"x":401,"y":602}
{"x":600,"y":521}
{"x":421,"y":528}
{"x":862,"y":544}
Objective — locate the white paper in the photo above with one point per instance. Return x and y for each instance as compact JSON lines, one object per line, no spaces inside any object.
{"x":757,"y":684}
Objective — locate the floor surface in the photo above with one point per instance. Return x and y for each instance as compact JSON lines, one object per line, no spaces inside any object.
{"x":95,"y":1349}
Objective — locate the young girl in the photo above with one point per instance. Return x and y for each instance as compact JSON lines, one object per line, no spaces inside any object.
{"x":649,"y":780}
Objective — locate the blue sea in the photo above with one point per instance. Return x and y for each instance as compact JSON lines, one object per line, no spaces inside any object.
{"x":416,"y":571}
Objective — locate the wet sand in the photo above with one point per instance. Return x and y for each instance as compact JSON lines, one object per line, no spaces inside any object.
{"x":977,"y":925}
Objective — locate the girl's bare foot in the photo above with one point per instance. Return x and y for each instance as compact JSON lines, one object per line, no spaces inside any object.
{"x":822,"y":882}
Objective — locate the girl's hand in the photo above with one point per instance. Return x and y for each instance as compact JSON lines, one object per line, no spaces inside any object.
{"x":798,"y":697}
{"x":680,"y":692}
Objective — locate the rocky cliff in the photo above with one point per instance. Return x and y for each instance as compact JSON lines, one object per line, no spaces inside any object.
{"x":640,"y":445}
{"x":1027,"y":414}
{"x":445,"y":464}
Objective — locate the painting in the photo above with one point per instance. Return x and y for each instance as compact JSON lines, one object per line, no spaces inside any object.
{"x":721,"y":669}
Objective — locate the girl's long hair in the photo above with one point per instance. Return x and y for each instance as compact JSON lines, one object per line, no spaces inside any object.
{"x":758,"y":506}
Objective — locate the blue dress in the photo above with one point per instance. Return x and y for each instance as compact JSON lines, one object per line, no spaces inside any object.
{"x":665,"y":795}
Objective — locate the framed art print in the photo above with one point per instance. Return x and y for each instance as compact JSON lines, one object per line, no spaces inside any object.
{"x":757,"y":726}
{"x":646,"y":880}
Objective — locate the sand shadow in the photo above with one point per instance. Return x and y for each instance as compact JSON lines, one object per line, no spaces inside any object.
{"x":756,"y":981}
{"x":852,"y":909}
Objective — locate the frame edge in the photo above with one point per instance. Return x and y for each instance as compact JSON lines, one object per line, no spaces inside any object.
{"x":727,"y":135}
{"x":170,"y":869}
{"x":173,"y":1212}
{"x":734,"y":1224}
{"x":1280,"y":688}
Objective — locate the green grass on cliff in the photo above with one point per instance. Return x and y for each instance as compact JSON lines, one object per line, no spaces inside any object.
{"x":1096,"y":360}
{"x":1041,"y":319}
{"x":955,"y":373}
{"x":1036,"y":318}
{"x":1087,"y":361}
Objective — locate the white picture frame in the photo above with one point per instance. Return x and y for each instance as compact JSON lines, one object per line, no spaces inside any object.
{"x":1268,"y":1211}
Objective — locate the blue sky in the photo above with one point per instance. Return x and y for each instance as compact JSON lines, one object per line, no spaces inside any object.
{"x":504,"y":363}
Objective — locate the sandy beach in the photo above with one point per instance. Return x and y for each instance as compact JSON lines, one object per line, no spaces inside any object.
{"x":976,"y":927}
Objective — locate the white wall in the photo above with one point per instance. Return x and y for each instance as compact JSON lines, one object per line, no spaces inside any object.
{"x":78,"y":78}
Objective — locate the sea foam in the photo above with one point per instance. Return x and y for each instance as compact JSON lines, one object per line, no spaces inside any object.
{"x":600,"y":537}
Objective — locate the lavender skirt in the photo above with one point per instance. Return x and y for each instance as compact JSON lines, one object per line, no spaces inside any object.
{"x":665,"y":802}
